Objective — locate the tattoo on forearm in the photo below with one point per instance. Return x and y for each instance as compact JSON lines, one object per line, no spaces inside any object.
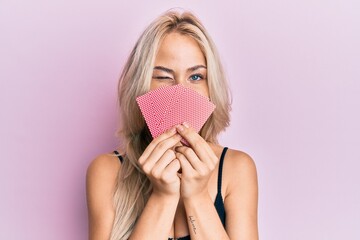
{"x":192,"y":221}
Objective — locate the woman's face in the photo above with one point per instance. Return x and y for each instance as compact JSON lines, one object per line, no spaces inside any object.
{"x":180,"y":61}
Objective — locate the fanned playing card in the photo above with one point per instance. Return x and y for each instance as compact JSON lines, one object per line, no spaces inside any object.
{"x":168,"y":106}
{"x":153,"y":106}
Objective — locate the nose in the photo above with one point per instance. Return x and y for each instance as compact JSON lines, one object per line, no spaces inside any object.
{"x":182,"y":80}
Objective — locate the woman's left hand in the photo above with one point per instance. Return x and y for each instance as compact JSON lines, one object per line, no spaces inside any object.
{"x":197,"y":162}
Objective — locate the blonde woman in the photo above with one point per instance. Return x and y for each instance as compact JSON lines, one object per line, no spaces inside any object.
{"x":137,"y":192}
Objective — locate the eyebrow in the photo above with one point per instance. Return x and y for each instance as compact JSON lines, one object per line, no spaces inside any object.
{"x":168,"y":70}
{"x":195,"y":68}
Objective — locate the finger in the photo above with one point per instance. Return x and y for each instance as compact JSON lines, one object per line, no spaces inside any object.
{"x":163,"y":162}
{"x":167,"y":134}
{"x":171,"y":170}
{"x":200,"y":146}
{"x":186,"y":167}
{"x":189,"y":155}
{"x":161,"y":148}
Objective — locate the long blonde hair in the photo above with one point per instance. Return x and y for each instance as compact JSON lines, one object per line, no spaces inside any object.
{"x":133,"y":187}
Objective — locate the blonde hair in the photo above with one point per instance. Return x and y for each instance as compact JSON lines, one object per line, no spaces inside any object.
{"x":133,"y":187}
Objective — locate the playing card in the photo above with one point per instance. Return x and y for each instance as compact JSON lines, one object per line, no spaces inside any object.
{"x":168,"y":106}
{"x":153,"y":106}
{"x":191,"y":107}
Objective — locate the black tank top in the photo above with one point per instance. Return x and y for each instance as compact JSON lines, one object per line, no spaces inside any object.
{"x":219,"y":201}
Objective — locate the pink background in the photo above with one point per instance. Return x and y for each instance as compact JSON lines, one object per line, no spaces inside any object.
{"x":294,"y":69}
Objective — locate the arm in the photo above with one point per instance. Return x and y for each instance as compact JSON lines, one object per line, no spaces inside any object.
{"x":203,"y":220}
{"x":160,"y":165}
{"x":240,"y":203}
{"x":241,"y":195}
{"x":156,"y":219}
{"x":100,"y":182}
{"x":198,"y":162}
{"x":241,"y":199}
{"x":100,"y":185}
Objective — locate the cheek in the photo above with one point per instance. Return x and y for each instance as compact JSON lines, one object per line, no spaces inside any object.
{"x":203,"y":90}
{"x":156,"y":84}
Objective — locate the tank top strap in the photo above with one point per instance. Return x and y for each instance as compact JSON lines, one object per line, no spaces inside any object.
{"x":119,"y":156}
{"x":221,"y":168}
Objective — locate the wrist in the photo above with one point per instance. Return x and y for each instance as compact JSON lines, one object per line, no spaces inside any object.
{"x":198,"y":198}
{"x":165,"y":198}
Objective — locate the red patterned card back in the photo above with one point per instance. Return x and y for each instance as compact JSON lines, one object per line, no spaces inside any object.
{"x":153,"y":106}
{"x":165,"y":107}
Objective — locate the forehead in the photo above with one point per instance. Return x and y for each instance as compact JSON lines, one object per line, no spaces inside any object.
{"x":179,"y":50}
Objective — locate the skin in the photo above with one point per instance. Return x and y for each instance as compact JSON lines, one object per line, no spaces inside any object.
{"x":183,"y":204}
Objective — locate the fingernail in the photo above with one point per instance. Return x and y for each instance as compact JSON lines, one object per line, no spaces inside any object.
{"x":186,"y":124}
{"x":173,"y":130}
{"x":180,"y":128}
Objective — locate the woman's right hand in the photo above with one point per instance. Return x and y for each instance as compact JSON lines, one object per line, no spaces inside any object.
{"x":160,"y":164}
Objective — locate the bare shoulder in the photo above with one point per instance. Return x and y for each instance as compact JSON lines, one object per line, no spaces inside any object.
{"x":241,"y":196}
{"x":240,"y":160}
{"x":101,"y":179}
{"x":239,"y":170}
{"x":104,"y":166}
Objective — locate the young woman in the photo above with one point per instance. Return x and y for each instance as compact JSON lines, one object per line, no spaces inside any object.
{"x":159,"y":188}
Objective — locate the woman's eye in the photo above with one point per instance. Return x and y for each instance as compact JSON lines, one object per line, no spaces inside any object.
{"x":196,"y":77}
{"x":162,"y":77}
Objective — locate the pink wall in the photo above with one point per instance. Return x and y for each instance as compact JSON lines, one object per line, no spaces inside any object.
{"x":294,"y":67}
